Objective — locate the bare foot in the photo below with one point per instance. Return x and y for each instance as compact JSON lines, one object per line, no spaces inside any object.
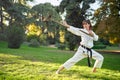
{"x":57,"y":72}
{"x":94,"y":70}
{"x":60,"y":69}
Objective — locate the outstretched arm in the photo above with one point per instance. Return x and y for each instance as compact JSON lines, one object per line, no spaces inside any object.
{"x":72,"y":29}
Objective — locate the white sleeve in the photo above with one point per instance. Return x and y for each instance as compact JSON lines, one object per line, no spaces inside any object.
{"x":95,"y":37}
{"x":74,"y":30}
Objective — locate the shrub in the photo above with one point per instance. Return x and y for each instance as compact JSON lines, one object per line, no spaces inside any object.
{"x":51,"y":40}
{"x":15,"y":36}
{"x":105,"y":42}
{"x":30,"y":37}
{"x":43,"y":40}
{"x":60,"y":46}
{"x":99,"y":47}
{"x":2,"y":37}
{"x":34,"y":43}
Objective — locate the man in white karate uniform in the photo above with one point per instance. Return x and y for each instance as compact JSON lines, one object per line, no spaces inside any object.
{"x":84,"y":50}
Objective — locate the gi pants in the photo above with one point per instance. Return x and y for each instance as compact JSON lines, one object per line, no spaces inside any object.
{"x":83,"y":53}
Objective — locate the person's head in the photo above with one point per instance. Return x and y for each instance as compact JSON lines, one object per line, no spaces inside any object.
{"x":87,"y":24}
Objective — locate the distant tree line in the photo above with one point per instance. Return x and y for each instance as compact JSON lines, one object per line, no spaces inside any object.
{"x":20,"y":22}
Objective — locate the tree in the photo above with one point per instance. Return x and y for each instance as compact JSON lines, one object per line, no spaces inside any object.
{"x":15,"y":13}
{"x":108,"y":19}
{"x":33,"y":32}
{"x":76,"y":12}
{"x":42,"y":11}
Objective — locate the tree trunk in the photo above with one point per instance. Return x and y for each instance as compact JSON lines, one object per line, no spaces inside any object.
{"x":1,"y":21}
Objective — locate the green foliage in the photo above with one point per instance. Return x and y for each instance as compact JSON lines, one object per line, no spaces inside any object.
{"x":99,"y":47}
{"x":3,"y":37}
{"x":43,"y":39}
{"x":108,"y":20}
{"x":99,"y":44}
{"x":75,"y":13}
{"x":34,"y":43}
{"x":42,"y":11}
{"x":61,"y":46}
{"x":72,"y":41}
{"x":51,"y":40}
{"x":105,"y":42}
{"x":30,"y":37}
{"x":14,"y":12}
{"x":45,"y":10}
{"x":15,"y":36}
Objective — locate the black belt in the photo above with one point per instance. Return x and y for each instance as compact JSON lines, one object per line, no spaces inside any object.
{"x":88,"y":49}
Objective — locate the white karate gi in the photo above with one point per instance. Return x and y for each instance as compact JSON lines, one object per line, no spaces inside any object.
{"x":81,"y":53}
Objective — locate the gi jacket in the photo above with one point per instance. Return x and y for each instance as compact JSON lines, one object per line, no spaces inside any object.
{"x":86,"y":39}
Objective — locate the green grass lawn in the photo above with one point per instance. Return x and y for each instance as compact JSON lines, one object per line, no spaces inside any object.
{"x":41,"y":63}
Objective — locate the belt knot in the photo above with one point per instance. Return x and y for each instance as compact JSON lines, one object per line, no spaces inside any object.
{"x":88,"y":49}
